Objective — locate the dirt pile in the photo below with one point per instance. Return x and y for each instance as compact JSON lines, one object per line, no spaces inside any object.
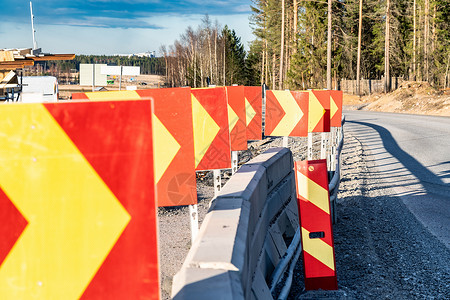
{"x":414,"y":97}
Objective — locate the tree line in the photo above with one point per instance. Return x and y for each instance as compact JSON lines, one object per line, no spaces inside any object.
{"x":369,"y":39}
{"x":148,"y":65}
{"x":366,"y":39}
{"x":208,"y":55}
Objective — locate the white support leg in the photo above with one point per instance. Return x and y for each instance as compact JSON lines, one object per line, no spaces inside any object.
{"x":323,"y":145}
{"x":217,"y":182}
{"x":234,"y":162}
{"x":310,"y":146}
{"x":285,"y":141}
{"x":193,"y":216}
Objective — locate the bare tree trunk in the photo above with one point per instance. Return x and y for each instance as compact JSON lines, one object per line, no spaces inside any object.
{"x":426,"y":38}
{"x":387,"y":81}
{"x":295,"y":25}
{"x":358,"y":61}
{"x":280,"y":82}
{"x":224,"y":61}
{"x":216,"y":64}
{"x":273,"y":71}
{"x":329,"y":47}
{"x":262,"y":63}
{"x":266,"y":76}
{"x":446,"y":72}
{"x":414,"y":41}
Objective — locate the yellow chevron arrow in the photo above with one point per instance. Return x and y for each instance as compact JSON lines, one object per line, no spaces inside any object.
{"x":114,"y":95}
{"x":250,"y":113}
{"x":73,"y":218}
{"x":293,"y":113}
{"x":316,"y":111}
{"x":165,"y":147}
{"x":205,"y":130}
{"x":318,"y":249}
{"x":313,"y":192}
{"x":333,"y":107}
{"x":232,"y":118}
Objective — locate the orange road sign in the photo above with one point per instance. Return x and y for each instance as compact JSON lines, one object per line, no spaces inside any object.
{"x":319,"y":111}
{"x":173,"y":140}
{"x":173,"y":145}
{"x":236,"y":118}
{"x":286,"y":113}
{"x":315,"y":222}
{"x":336,"y":98}
{"x":211,"y":132}
{"x":85,"y":197}
{"x":253,"y":111}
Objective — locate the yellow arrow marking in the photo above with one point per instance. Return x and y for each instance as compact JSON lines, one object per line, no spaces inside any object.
{"x":318,"y":249}
{"x":232,"y":118}
{"x":205,"y":130}
{"x":333,"y":107}
{"x":250,"y":113}
{"x":114,"y":95}
{"x":316,"y":111}
{"x":74,"y":220}
{"x":293,"y":113}
{"x":313,"y":192}
{"x":165,"y":147}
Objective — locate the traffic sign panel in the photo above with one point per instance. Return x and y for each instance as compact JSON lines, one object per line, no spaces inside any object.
{"x":211,"y":132}
{"x":319,"y":111}
{"x":286,"y":113}
{"x":84,"y":193}
{"x":253,"y":111}
{"x":173,"y":140}
{"x":237,"y":117}
{"x":336,"y":98}
{"x":173,"y":144}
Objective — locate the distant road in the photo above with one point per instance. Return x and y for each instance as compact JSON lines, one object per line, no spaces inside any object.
{"x":411,"y":155}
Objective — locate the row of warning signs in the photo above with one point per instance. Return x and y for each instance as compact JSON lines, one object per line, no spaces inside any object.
{"x":196,"y":129}
{"x":77,"y":192}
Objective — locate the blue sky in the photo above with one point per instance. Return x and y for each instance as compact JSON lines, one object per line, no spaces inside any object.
{"x":113,"y":27}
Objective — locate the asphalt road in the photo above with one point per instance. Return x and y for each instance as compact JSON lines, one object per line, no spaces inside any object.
{"x":411,"y":154}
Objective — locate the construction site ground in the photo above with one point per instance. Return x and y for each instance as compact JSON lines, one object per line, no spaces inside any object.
{"x":412,"y":97}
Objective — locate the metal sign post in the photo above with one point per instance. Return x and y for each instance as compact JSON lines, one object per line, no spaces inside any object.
{"x":234,"y":161}
{"x":310,"y":146}
{"x":193,"y":216}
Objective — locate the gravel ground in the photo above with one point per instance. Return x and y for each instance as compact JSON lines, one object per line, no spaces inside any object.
{"x":382,"y":251}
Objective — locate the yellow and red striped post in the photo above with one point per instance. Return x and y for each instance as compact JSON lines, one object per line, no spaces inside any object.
{"x":315,"y":220}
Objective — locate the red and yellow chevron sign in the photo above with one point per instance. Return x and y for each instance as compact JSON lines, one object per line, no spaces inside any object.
{"x":173,"y":145}
{"x":211,"y":132}
{"x":315,"y":221}
{"x":173,"y":140}
{"x":336,"y":98}
{"x":286,"y":113}
{"x":75,"y":203}
{"x":319,"y":111}
{"x":236,"y":118}
{"x":253,"y":111}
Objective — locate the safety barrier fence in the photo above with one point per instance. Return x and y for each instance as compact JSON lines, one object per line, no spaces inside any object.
{"x":250,"y":236}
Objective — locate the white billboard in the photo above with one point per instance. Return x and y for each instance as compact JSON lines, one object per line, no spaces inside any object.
{"x":126,"y":71}
{"x":90,"y":74}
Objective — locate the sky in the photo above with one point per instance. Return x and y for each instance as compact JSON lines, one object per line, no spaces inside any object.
{"x":114,"y":27}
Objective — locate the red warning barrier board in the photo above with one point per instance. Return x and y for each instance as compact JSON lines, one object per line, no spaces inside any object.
{"x":319,"y":111}
{"x":236,"y":118}
{"x":173,"y":144}
{"x":75,"y":201}
{"x":315,"y":222}
{"x":173,"y":140}
{"x":286,"y":113}
{"x":211,"y":132}
{"x":336,"y":98}
{"x":253,"y":111}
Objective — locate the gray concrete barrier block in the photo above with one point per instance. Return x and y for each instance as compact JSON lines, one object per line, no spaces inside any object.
{"x":278,"y":163}
{"x":207,"y":284}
